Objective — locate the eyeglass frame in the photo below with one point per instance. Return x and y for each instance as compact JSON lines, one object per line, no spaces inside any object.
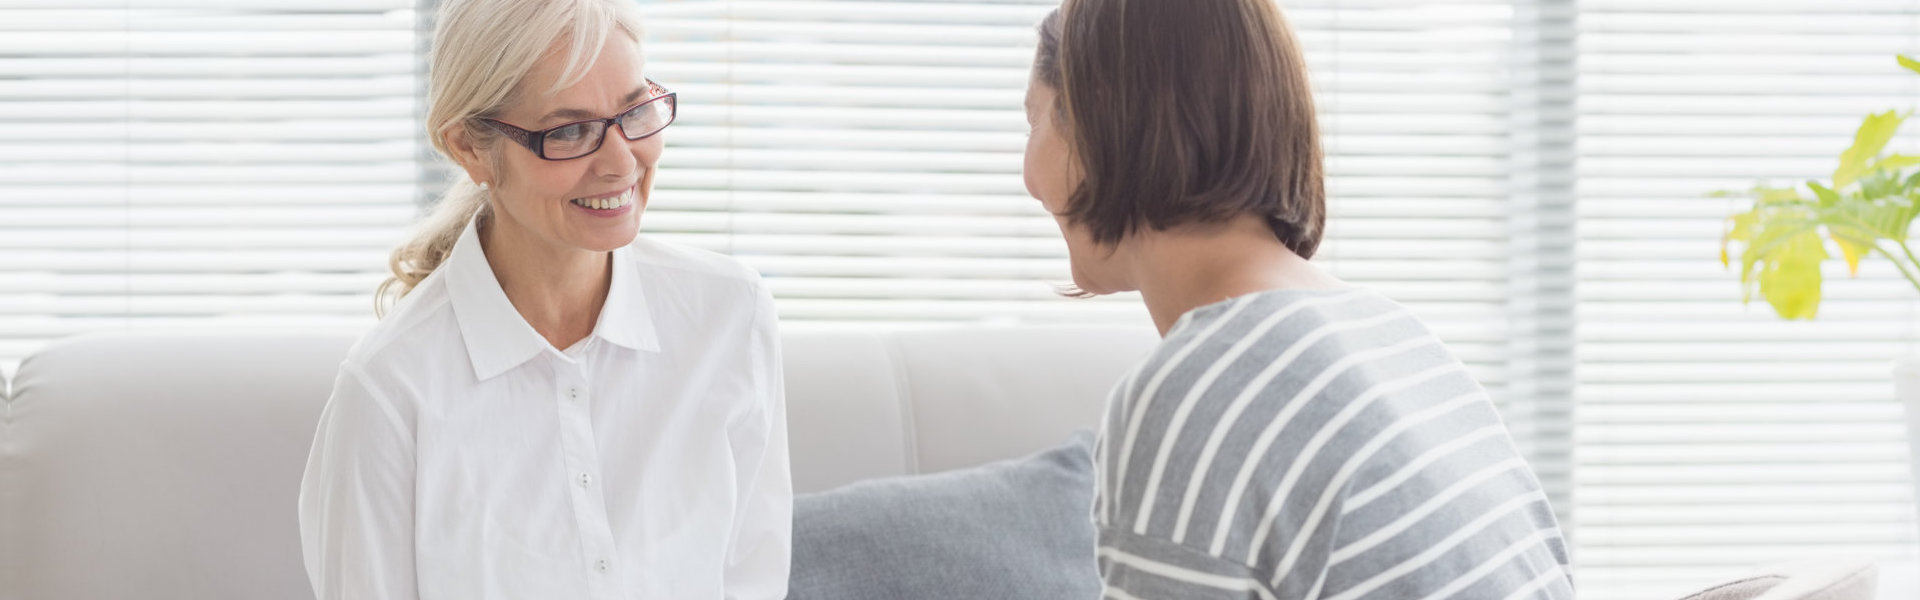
{"x":536,"y":141}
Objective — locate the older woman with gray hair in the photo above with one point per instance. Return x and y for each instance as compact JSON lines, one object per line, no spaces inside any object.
{"x":553,"y":406}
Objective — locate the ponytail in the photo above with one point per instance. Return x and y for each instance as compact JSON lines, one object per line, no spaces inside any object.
{"x":414,"y":260}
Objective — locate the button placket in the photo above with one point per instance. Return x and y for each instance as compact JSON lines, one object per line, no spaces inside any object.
{"x":582,"y":464}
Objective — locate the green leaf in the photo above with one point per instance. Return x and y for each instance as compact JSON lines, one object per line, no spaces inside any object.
{"x":1853,"y":250}
{"x":1793,"y":288}
{"x":1908,"y":211}
{"x":1774,"y":231}
{"x":1897,"y":162}
{"x":1870,"y":220}
{"x":1877,"y":183}
{"x":1791,"y":279}
{"x":1874,"y":133}
{"x":1775,"y":196}
{"x":1895,"y":216}
{"x":1909,"y":63}
{"x":1828,"y":198}
{"x":1739,"y":229}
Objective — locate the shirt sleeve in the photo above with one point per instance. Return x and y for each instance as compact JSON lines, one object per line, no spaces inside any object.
{"x":759,"y":556}
{"x":356,"y":499}
{"x":1142,"y":567}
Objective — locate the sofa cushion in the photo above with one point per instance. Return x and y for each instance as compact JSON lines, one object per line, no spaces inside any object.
{"x":845,"y":420}
{"x":172,"y":461}
{"x":1815,"y":580}
{"x":987,"y":394}
{"x":162,"y":466}
{"x":1008,"y":530}
{"x":1746,"y":588}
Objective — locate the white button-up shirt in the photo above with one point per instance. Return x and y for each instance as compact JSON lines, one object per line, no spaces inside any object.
{"x":462,"y":457}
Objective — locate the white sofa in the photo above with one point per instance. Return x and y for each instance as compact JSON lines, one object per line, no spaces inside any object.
{"x":166,"y":466}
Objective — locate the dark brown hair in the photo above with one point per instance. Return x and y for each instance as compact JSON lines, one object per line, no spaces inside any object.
{"x":1185,"y":112}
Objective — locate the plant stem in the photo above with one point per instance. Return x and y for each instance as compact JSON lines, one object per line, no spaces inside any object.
{"x":1901,"y":265}
{"x":1910,"y":258}
{"x":1912,"y":278}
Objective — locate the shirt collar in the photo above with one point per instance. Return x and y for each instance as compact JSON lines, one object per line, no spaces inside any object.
{"x":625,"y":319}
{"x":499,"y":339}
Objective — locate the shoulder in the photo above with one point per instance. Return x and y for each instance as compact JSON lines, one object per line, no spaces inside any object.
{"x":656,"y":258}
{"x":420,"y":335}
{"x":1276,"y":317}
{"x":702,"y":295}
{"x":1341,"y":367}
{"x":1268,"y":400}
{"x":696,"y":286}
{"x":1275,"y":337}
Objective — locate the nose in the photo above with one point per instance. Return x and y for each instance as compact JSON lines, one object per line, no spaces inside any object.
{"x":614,"y":159}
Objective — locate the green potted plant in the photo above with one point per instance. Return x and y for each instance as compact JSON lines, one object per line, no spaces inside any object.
{"x":1867,"y":208}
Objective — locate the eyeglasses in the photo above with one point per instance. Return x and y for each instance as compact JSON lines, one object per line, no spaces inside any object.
{"x":581,"y":138}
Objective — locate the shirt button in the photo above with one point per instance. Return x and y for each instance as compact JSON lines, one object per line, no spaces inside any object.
{"x":573,"y":393}
{"x":586,"y":480}
{"x":602,"y":565}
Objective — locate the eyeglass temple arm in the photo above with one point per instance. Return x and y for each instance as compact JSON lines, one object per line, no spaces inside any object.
{"x":518,"y":135}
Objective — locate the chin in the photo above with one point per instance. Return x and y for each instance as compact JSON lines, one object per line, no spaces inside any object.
{"x":608,"y":240}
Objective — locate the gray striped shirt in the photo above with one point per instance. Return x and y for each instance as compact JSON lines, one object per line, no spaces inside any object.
{"x":1315,"y":444}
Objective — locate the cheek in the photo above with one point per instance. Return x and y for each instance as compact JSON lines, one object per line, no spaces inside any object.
{"x":1030,"y":170}
{"x":556,"y":182}
{"x":529,"y":184}
{"x":1080,"y":246}
{"x":647,"y":152}
{"x":1086,"y":262}
{"x":1079,"y":242}
{"x":531,"y":175}
{"x":1045,"y":172}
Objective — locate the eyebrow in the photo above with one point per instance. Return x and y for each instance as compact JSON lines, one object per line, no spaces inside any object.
{"x":575,"y":114}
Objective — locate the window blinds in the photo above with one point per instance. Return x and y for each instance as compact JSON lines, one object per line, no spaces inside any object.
{"x":866,"y":156}
{"x":200,"y":164}
{"x":249,"y":163}
{"x":235,"y":163}
{"x":1713,"y":436}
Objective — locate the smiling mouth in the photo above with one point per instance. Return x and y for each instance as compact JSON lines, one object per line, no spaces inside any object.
{"x":610,"y":203}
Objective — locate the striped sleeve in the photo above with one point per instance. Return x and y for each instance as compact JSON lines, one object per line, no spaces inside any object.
{"x":1315,"y":445}
{"x":1142,"y":567}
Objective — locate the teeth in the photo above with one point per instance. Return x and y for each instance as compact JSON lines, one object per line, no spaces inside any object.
{"x":619,"y":201}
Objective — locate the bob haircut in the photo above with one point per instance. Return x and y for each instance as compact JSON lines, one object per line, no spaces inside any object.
{"x":1185,"y":112}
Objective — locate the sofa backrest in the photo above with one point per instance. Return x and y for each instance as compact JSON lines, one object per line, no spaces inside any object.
{"x":168,"y":465}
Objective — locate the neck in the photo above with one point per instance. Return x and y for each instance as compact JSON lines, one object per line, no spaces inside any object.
{"x":1178,"y":271}
{"x":558,"y":290}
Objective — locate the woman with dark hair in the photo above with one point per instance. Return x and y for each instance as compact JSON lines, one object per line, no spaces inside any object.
{"x":1292,"y":436}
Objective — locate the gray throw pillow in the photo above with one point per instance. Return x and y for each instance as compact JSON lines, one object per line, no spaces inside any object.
{"x":1007,"y":530}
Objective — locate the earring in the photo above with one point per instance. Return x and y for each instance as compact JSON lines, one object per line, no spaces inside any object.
{"x":483,"y":186}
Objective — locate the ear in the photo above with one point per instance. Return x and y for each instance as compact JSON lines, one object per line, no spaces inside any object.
{"x":469,"y":155}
